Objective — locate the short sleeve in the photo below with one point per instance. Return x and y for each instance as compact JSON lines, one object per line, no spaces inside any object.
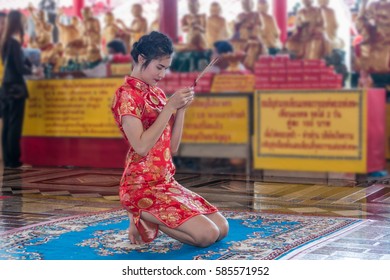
{"x":127,"y":102}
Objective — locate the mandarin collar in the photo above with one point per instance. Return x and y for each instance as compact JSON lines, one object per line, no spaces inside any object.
{"x":138,"y":84}
{"x":148,"y":91}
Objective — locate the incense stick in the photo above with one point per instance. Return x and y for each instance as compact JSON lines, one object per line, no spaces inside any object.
{"x":207,"y":69}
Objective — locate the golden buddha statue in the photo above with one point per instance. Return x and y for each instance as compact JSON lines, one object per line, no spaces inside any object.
{"x":247,"y":24}
{"x":56,"y":57}
{"x":246,"y":36}
{"x":75,"y":51}
{"x":110,"y":30}
{"x":70,"y":32}
{"x":308,"y":40}
{"x":379,"y":13}
{"x":43,"y":30}
{"x":92,"y":38}
{"x":331,"y":24}
{"x":216,"y":27}
{"x":91,"y":28}
{"x":91,"y":55}
{"x":138,"y":27}
{"x":269,"y":30}
{"x":194,"y":24}
{"x":374,"y":51}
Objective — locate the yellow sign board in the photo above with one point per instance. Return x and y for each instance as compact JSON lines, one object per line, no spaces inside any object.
{"x":71,"y":108}
{"x":217,"y":119}
{"x":82,"y":108}
{"x":120,"y":69}
{"x":233,"y":83}
{"x":310,"y":131}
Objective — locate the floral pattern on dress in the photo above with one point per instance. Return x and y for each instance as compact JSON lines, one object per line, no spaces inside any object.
{"x":147,"y":183}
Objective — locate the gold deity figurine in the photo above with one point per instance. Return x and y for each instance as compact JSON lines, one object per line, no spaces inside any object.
{"x":269,"y":31}
{"x":246,"y":36}
{"x":308,"y":40}
{"x":68,"y":32}
{"x":138,"y":27}
{"x":91,"y":37}
{"x":216,"y":25}
{"x":112,"y":31}
{"x":56,"y":57}
{"x":194,"y":24}
{"x":75,"y":51}
{"x":91,"y":28}
{"x":374,"y":50}
{"x":247,"y":24}
{"x":331,"y":24}
{"x":43,"y":30}
{"x":379,"y":13}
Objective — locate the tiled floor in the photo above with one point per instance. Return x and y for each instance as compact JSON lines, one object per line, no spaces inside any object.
{"x":33,"y":195}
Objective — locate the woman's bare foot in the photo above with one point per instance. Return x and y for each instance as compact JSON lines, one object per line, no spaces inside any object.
{"x":134,"y":236}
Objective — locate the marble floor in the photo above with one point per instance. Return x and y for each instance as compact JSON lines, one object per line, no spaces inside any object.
{"x":36,"y":194}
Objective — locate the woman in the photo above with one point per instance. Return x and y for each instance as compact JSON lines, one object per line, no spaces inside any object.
{"x":153,"y":125}
{"x":14,"y":89}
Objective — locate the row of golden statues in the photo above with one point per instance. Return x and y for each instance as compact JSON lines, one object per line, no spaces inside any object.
{"x":254,"y":32}
{"x":373,"y":23}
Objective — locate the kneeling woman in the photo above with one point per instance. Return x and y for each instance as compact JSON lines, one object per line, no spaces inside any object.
{"x":152,"y":125}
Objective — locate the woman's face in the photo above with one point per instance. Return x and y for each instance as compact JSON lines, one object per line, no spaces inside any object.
{"x":156,"y":69}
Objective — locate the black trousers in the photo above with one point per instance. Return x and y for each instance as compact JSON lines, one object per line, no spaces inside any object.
{"x":13,"y":113}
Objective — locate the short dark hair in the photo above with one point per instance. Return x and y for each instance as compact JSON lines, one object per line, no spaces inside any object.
{"x":117,"y":46}
{"x":223,"y":47}
{"x":152,"y":46}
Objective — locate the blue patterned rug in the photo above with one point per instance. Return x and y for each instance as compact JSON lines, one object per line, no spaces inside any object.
{"x":103,"y":236}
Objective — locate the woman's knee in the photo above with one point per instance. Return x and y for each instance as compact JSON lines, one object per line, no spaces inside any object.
{"x":220,"y":221}
{"x":223,"y":229}
{"x":208,"y":236}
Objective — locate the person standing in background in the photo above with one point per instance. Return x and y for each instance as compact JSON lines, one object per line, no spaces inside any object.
{"x":14,"y":90}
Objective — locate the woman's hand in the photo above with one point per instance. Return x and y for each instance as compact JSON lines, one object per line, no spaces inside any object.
{"x":181,"y":99}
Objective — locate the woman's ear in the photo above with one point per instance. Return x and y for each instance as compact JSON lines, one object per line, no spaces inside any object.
{"x":141,"y":59}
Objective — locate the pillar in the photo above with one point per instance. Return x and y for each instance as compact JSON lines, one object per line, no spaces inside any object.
{"x":280,"y":14}
{"x":78,"y":5}
{"x":169,"y":18}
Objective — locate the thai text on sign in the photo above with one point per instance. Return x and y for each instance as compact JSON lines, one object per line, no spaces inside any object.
{"x":310,"y":125}
{"x":71,"y":108}
{"x":235,"y":83}
{"x":217,"y":120}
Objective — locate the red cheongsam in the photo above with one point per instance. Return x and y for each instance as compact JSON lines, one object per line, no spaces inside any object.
{"x":147,"y":183}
